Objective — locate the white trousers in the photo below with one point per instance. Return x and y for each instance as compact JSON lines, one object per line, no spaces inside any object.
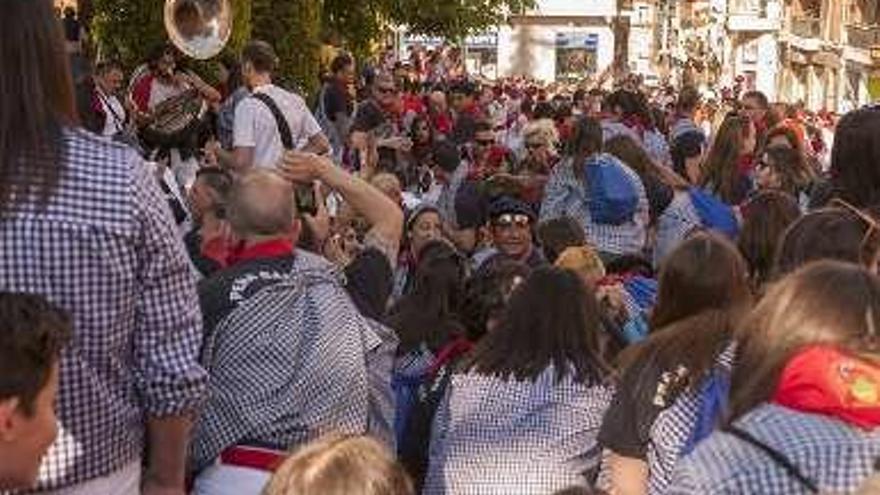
{"x":125,"y":481}
{"x":230,"y":480}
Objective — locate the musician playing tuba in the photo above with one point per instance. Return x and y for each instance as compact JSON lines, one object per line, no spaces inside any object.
{"x":164,"y":82}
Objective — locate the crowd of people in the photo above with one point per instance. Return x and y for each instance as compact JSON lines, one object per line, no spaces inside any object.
{"x":423,"y":283}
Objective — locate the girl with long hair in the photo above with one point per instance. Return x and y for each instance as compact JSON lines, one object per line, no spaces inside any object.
{"x":805,"y":416}
{"x":653,"y":419}
{"x":729,"y":163}
{"x":522,"y":413}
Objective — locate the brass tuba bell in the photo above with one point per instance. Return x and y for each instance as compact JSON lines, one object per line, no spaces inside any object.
{"x":199,"y":28}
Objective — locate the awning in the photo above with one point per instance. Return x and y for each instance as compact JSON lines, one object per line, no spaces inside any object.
{"x":827,"y":59}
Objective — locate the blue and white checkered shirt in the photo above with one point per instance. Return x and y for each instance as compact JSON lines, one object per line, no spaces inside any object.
{"x":105,"y":249}
{"x":674,"y":225}
{"x":493,"y":436}
{"x":835,"y":456}
{"x":292,"y":359}
{"x":565,"y":195}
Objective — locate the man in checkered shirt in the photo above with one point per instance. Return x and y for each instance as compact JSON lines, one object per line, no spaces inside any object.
{"x":85,"y":225}
{"x":290,"y":355}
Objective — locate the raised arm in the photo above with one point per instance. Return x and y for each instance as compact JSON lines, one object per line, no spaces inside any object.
{"x":384,"y":216}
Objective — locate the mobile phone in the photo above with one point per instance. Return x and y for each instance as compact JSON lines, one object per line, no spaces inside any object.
{"x":305,"y":200}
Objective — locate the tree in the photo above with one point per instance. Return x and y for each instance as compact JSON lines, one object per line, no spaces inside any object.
{"x":130,"y":30}
{"x":293,"y":28}
{"x":455,"y":19}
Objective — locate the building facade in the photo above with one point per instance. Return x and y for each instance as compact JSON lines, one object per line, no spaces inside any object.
{"x":559,"y":40}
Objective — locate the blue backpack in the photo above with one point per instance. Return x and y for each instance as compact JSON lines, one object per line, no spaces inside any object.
{"x":714,"y":214}
{"x":714,"y":392}
{"x":613,"y":197}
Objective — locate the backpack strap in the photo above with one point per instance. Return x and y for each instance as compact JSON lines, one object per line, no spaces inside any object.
{"x":280,"y":121}
{"x":777,"y":457}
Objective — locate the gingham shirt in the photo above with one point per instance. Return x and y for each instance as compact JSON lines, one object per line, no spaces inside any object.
{"x":836,"y":456}
{"x":492,"y":436}
{"x":565,"y":195}
{"x":670,"y":431}
{"x":446,"y":200}
{"x":293,"y":359}
{"x":677,"y":221}
{"x":106,"y":250}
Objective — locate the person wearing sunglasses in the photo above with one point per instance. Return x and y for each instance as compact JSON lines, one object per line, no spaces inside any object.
{"x":379,"y":117}
{"x":510,"y":229}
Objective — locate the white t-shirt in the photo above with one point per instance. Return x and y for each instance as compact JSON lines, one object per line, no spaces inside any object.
{"x":115,"y":112}
{"x":255,"y":126}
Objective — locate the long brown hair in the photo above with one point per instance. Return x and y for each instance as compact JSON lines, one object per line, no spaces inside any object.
{"x":827,"y":302}
{"x":633,"y":155}
{"x":704,"y":272}
{"x":700,"y":321}
{"x":36,"y":100}
{"x":551,"y":319}
{"x":765,"y":219}
{"x":721,"y":170}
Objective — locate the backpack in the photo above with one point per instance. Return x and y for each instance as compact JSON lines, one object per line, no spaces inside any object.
{"x":714,"y":214}
{"x":613,"y":197}
{"x":337,"y":143}
{"x":713,"y":394}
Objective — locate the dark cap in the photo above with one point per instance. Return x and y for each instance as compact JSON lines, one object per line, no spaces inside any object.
{"x":506,"y":204}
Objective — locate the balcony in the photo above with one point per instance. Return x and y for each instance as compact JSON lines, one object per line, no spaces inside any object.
{"x":751,"y":16}
{"x":865,"y":37}
{"x":806,"y":27}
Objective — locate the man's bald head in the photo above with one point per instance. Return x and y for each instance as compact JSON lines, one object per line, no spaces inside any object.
{"x":261,"y":204}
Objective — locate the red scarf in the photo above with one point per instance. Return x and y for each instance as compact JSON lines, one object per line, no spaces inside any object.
{"x":268,"y":249}
{"x":825,"y":380}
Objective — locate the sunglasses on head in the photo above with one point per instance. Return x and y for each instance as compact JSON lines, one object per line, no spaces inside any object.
{"x":512,"y":220}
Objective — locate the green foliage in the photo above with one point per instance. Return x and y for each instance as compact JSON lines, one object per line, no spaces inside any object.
{"x":131,"y":30}
{"x":455,"y":19}
{"x":293,"y":27}
{"x":128,"y":29}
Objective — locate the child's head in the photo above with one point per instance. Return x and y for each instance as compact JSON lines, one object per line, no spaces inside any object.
{"x":32,"y":332}
{"x":341,"y":465}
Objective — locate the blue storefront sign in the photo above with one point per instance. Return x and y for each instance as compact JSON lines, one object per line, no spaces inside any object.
{"x":588,"y":41}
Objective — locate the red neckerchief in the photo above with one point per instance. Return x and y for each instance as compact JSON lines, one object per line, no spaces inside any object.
{"x":825,"y":380}
{"x":636,"y":124}
{"x":746,"y":164}
{"x":269,"y":249}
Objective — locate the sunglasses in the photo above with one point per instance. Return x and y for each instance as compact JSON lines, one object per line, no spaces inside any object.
{"x":508,"y":220}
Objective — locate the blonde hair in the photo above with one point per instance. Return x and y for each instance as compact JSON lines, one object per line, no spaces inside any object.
{"x":388,"y":183}
{"x":340,"y":465}
{"x":582,"y":260}
{"x":543,"y":130}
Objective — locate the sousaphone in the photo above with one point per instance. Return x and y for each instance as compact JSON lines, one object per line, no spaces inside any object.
{"x":200,"y":29}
